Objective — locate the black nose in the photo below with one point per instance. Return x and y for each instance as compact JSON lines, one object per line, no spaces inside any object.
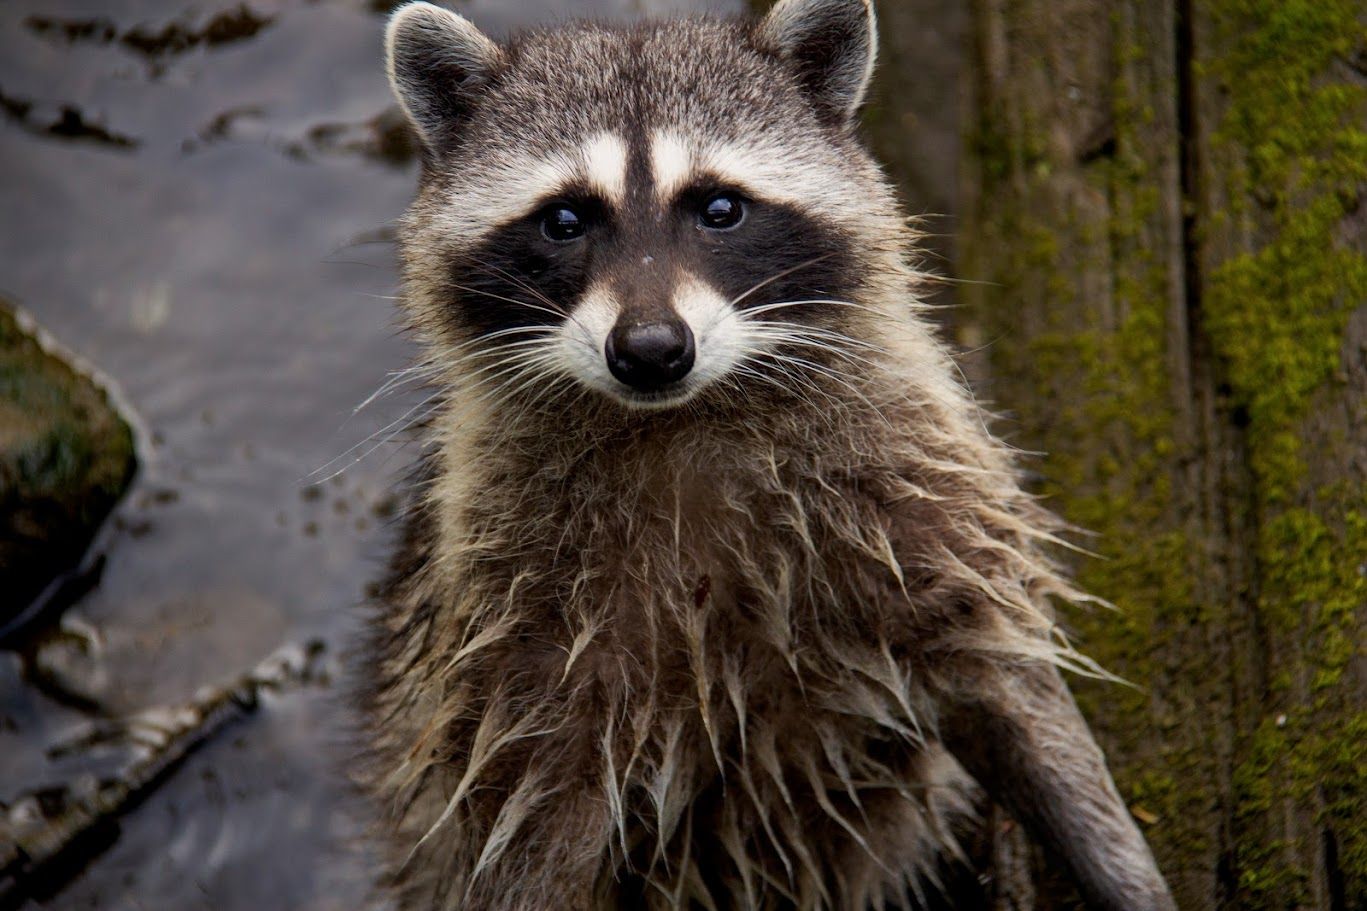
{"x":650,"y":355}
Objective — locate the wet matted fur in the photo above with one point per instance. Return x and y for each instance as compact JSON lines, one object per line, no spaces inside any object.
{"x":750,"y":639}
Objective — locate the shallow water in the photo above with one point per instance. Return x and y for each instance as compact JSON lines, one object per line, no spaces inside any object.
{"x":195,"y":198}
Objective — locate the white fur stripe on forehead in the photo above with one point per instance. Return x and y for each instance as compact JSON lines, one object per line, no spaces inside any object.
{"x":512,"y":186}
{"x":605,"y":161}
{"x":671,"y":163}
{"x":802,"y":176}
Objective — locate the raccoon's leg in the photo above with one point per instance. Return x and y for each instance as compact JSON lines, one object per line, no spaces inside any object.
{"x":558,"y":857}
{"x":536,"y":830}
{"x":1019,"y":732}
{"x":533,"y":832}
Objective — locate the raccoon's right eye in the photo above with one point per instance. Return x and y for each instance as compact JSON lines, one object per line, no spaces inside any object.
{"x":722,"y":211}
{"x":562,"y":223}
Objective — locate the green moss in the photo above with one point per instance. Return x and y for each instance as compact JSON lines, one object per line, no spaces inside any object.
{"x":1297,"y":149}
{"x":1292,"y":760}
{"x":1292,"y":151}
{"x":1310,"y":754}
{"x":58,"y":434}
{"x":1312,"y":573}
{"x":1207,"y":610}
{"x":1091,"y":378}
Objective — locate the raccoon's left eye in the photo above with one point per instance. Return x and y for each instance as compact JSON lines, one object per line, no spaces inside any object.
{"x":722,"y":211}
{"x":562,"y":223}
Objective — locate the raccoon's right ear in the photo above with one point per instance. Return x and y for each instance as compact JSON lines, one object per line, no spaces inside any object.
{"x":833,"y":44}
{"x":437,"y":61}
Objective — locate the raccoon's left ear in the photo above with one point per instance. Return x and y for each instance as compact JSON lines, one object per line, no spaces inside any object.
{"x":437,"y":62}
{"x":833,"y":44}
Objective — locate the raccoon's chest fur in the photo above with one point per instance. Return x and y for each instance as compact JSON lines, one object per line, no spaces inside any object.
{"x":714,"y":556}
{"x":718,"y":643}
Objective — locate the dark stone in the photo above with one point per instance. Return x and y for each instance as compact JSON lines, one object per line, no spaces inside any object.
{"x":65,"y":458}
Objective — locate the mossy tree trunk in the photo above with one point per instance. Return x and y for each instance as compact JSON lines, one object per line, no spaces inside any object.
{"x":1166,"y":199}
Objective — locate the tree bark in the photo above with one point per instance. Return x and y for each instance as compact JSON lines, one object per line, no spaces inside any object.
{"x":1164,"y":201}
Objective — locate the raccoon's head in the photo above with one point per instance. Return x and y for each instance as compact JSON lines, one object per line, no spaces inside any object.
{"x":647,"y":212}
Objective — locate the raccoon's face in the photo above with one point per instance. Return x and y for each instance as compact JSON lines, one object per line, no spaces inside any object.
{"x":647,"y":212}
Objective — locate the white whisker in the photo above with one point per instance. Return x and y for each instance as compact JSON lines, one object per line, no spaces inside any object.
{"x":777,"y":275}
{"x":834,"y":302}
{"x":400,"y":425}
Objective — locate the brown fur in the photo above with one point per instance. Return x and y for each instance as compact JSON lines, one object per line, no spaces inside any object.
{"x":622,"y":633}
{"x":710,"y":657}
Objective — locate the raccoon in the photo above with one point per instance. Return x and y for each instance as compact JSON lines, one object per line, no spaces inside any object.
{"x":715,"y":591}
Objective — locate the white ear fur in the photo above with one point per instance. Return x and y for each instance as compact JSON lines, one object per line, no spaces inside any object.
{"x":833,"y":43}
{"x":436,"y":60}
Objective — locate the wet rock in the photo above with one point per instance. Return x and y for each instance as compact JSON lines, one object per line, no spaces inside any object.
{"x":48,"y":833}
{"x":386,"y":138}
{"x":67,"y":666}
{"x":65,"y":458}
{"x":237,"y":24}
{"x":155,"y":41}
{"x":62,"y":121}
